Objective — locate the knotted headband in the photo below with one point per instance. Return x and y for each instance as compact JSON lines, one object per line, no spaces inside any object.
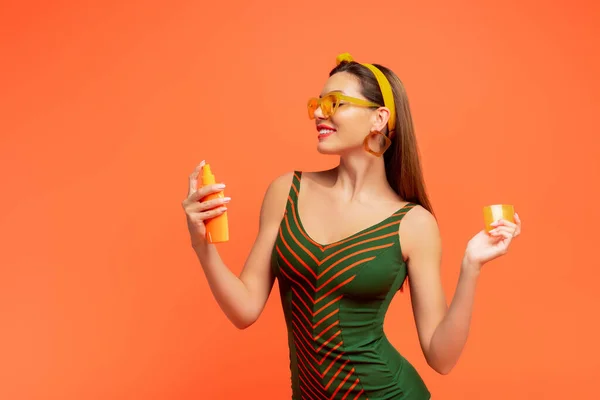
{"x":384,"y":86}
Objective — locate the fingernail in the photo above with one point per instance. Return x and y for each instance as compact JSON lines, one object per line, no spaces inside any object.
{"x":221,"y":186}
{"x":226,"y":199}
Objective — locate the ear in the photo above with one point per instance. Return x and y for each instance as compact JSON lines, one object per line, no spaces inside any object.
{"x":380,"y":119}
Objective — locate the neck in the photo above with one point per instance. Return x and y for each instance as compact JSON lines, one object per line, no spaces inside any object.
{"x":360,"y":176}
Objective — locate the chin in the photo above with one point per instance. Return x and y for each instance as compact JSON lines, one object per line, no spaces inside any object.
{"x":339,"y":149}
{"x":325,"y":148}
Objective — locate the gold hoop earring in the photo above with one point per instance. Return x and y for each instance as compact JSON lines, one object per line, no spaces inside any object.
{"x":384,"y":147}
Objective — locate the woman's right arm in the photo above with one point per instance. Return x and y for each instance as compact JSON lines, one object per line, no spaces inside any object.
{"x":242,"y":298}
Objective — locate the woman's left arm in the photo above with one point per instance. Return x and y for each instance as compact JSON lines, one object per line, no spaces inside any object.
{"x":443,"y":330}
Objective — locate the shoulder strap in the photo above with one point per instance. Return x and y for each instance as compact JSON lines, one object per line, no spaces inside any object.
{"x":404,"y":210}
{"x":295,"y":187}
{"x":294,"y":190}
{"x":399,"y":215}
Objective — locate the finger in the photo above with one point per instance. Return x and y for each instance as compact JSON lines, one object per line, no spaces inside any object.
{"x":505,"y":229}
{"x":193,"y":178}
{"x":206,"y":215}
{"x":197,"y":206}
{"x":518,"y":221}
{"x":501,"y":233}
{"x":501,"y":241}
{"x":200,"y":194}
{"x":496,"y":238}
{"x":204,"y":191}
{"x":503,"y":222}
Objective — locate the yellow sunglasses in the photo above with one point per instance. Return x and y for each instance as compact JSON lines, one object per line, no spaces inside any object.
{"x":331,"y":101}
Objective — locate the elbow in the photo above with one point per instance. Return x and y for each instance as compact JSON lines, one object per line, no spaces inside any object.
{"x":244,"y":322}
{"x":443,"y":371}
{"x":241,"y":325}
{"x":441,"y":368}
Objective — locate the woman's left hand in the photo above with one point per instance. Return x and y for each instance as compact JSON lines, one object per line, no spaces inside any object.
{"x":486,"y":246}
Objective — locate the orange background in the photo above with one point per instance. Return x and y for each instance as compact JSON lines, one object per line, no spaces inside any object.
{"x":105,"y":108}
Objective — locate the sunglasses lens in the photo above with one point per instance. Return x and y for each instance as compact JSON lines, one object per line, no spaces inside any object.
{"x":329,"y":105}
{"x":313,"y":104}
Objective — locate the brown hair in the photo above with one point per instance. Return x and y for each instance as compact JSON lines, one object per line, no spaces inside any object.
{"x":402,"y":164}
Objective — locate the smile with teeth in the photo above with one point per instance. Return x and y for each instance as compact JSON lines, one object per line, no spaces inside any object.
{"x":324,"y":131}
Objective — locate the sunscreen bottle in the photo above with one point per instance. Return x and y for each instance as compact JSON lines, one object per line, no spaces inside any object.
{"x":217,"y":228}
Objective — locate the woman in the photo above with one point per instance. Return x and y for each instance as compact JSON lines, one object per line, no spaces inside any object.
{"x":341,"y":244}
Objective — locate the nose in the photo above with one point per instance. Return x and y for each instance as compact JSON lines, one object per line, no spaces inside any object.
{"x":319,"y":113}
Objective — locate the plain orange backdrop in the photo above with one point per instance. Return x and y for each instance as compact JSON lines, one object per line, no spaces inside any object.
{"x":106,"y":107}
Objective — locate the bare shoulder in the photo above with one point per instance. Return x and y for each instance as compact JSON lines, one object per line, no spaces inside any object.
{"x":323,"y":178}
{"x":275,"y":199}
{"x":419,"y":231}
{"x":419,"y":219}
{"x":281,"y":184}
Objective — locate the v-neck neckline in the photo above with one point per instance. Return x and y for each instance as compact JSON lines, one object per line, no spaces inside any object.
{"x":344,"y":239}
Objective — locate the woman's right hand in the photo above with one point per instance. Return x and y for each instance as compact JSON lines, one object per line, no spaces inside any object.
{"x":198,"y":211}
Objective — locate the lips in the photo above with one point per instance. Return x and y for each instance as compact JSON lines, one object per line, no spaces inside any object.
{"x":325,"y":131}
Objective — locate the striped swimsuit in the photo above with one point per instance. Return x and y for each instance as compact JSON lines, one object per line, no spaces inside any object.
{"x":334,"y":299}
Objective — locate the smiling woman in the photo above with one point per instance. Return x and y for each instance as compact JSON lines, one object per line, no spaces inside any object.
{"x":341,"y":244}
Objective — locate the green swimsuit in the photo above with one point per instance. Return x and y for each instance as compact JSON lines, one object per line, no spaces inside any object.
{"x":334,"y":299}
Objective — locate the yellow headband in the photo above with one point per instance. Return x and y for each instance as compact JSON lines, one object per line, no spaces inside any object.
{"x":384,"y":85}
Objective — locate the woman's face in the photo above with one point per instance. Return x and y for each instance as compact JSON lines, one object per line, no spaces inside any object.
{"x":346,"y":129}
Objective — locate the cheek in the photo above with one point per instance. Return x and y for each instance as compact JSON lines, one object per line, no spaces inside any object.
{"x":351,"y":122}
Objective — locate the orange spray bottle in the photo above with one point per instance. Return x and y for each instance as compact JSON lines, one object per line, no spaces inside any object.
{"x":217,"y":229}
